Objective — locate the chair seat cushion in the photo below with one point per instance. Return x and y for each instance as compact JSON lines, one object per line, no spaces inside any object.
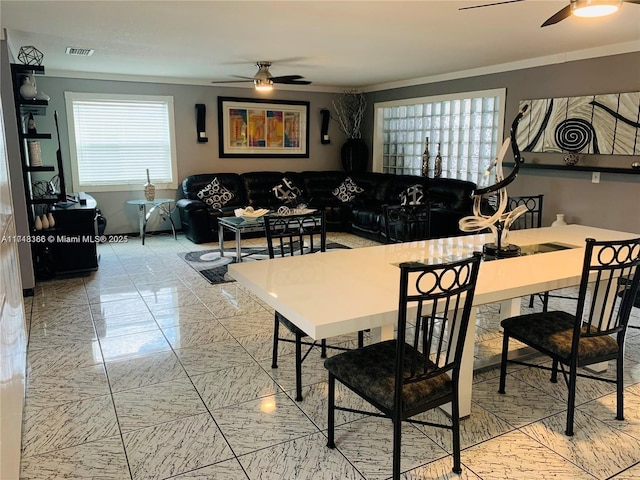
{"x":371,"y":371}
{"x":553,"y":331}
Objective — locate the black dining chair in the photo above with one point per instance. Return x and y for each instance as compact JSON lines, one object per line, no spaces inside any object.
{"x":407,"y":223}
{"x":402,"y":378}
{"x":289,"y":235}
{"x":532,"y":218}
{"x":592,"y":334}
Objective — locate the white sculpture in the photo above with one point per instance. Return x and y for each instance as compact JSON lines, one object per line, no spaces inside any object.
{"x":499,"y":221}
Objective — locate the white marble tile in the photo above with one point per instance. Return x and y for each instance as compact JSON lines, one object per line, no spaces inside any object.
{"x":176,"y":447}
{"x":175,"y":316}
{"x":62,"y":386}
{"x":521,"y":403}
{"x":313,"y":370}
{"x":306,"y":458}
{"x":517,"y":456}
{"x":102,"y":459}
{"x":67,"y":425}
{"x":64,"y":357}
{"x":60,"y":317}
{"x":595,"y":446}
{"x":481,"y":425}
{"x":604,"y":409}
{"x":440,"y":470}
{"x":586,"y":389}
{"x":210,"y":357}
{"x":116,"y":326}
{"x":119,"y":308}
{"x":158,"y":302}
{"x":260,"y":347}
{"x":227,"y":470}
{"x":153,"y":404}
{"x":134,"y":345}
{"x":143,"y":371}
{"x":99,"y":294}
{"x":368,"y":445}
{"x":195,"y":334}
{"x":260,"y":322}
{"x":315,"y":404}
{"x":234,"y":385}
{"x":229,"y":307}
{"x":632,"y":473}
{"x":57,"y":336}
{"x":270,"y":420}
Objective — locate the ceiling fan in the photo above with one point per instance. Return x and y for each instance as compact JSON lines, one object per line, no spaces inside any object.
{"x":580,"y":8}
{"x":263,"y":80}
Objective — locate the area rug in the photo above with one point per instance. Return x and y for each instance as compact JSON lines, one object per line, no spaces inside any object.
{"x":213,"y":267}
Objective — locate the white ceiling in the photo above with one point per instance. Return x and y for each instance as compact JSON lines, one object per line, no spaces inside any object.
{"x":334,"y":44}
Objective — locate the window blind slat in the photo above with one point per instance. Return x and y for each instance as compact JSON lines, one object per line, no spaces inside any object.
{"x":117,"y":140}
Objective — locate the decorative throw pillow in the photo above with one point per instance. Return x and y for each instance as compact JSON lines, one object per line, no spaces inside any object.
{"x":287,"y":192}
{"x":215,"y":195}
{"x":413,"y":195}
{"x":347,"y":191}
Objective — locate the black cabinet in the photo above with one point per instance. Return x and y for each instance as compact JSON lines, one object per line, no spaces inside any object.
{"x":74,"y":249}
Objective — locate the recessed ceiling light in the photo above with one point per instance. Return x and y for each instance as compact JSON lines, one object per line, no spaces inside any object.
{"x":79,"y":52}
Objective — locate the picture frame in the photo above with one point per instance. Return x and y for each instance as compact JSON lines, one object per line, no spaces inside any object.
{"x":250,"y":127}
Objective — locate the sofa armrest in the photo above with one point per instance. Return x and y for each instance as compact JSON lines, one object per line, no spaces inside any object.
{"x":195,"y":219}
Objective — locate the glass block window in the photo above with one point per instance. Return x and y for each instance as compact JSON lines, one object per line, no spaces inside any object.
{"x":466,"y":127}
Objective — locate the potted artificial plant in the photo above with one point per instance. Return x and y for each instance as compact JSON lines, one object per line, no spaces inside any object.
{"x":348,"y":110}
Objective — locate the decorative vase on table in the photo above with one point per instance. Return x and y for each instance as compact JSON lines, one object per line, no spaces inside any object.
{"x":425,"y":159}
{"x":559,"y":221}
{"x":437,"y":168}
{"x":355,"y":155}
{"x":149,"y":189}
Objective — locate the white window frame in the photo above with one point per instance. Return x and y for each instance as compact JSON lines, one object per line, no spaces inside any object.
{"x":133,"y":183}
{"x":378,"y":147}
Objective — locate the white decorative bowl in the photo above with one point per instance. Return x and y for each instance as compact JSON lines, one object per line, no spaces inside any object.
{"x":242,"y":212}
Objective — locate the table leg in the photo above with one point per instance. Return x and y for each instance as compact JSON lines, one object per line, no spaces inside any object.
{"x":141,"y":220}
{"x":379,"y":334}
{"x":221,"y":239}
{"x":238,"y":247}
{"x":166,"y":214}
{"x":466,"y":370}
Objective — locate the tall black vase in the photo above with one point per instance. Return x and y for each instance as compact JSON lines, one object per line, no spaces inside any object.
{"x":355,"y":155}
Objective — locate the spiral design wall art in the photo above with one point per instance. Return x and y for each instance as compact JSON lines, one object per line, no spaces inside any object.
{"x":575,"y":135}
{"x":595,"y":124}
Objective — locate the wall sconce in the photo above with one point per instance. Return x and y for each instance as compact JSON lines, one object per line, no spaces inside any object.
{"x":201,"y":113}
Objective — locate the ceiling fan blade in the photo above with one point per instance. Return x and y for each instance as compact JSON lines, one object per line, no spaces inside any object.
{"x":490,"y":4}
{"x":637,"y":2}
{"x":289,"y":81}
{"x":559,"y":16}
{"x":282,"y":78}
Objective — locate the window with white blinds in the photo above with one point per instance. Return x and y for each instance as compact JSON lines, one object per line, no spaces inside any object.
{"x":466,"y":127}
{"x":114,"y":139}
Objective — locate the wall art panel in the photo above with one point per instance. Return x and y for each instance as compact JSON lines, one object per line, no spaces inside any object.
{"x":595,"y":124}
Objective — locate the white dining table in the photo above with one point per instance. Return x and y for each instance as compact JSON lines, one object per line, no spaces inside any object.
{"x":345,"y":291}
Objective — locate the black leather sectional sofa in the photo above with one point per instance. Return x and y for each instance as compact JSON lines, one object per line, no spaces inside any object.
{"x":359,"y":210}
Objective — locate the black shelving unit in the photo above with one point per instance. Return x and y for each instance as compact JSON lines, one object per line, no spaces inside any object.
{"x":581,"y":168}
{"x":24,"y":107}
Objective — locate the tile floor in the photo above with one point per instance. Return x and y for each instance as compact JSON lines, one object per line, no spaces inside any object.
{"x":145,"y":371}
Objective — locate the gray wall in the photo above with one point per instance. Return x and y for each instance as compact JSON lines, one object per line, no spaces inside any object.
{"x":193,"y":157}
{"x":615,"y":201}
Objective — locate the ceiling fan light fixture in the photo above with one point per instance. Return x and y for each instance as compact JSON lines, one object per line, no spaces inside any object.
{"x":594,"y":8}
{"x":263,"y":84}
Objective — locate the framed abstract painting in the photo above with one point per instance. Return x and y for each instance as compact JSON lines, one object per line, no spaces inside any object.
{"x":251,"y":127}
